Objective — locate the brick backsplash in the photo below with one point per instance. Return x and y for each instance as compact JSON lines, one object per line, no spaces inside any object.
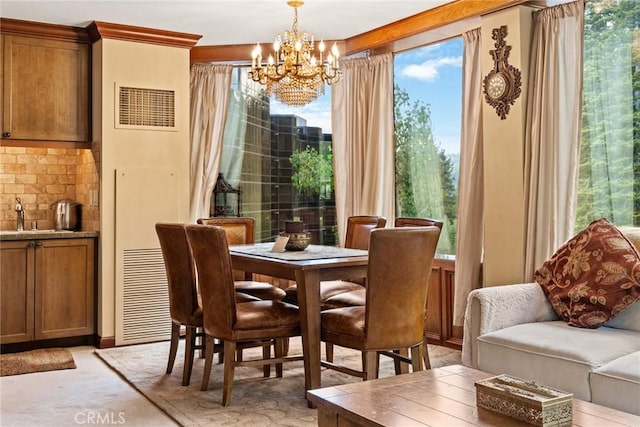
{"x":40,"y":177}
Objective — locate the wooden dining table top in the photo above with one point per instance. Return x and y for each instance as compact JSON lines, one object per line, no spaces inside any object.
{"x":307,"y":268}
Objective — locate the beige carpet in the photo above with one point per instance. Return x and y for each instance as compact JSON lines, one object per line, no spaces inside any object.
{"x":46,"y":359}
{"x":256,"y":401}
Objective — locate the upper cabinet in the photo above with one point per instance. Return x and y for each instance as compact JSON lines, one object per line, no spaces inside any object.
{"x":45,"y":85}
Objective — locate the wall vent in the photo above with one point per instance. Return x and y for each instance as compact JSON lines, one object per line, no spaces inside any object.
{"x":140,"y":108}
{"x":145,"y":310}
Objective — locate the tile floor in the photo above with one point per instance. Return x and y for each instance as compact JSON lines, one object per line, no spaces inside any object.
{"x":92,"y":394}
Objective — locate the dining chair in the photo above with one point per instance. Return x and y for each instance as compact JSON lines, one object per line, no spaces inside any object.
{"x":184,"y":306}
{"x":359,"y":229}
{"x":417,"y":222}
{"x":230,"y":321}
{"x":399,"y":269}
{"x":358,"y":296}
{"x":240,"y":231}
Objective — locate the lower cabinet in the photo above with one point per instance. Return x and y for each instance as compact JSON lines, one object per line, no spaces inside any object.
{"x":47,"y":289}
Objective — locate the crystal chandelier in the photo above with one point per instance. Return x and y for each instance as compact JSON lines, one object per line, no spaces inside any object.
{"x":295,"y":77}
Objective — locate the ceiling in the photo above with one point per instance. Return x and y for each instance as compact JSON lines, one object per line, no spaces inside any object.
{"x":224,"y":22}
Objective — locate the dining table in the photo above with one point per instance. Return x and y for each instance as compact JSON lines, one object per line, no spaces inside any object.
{"x":307,"y":268}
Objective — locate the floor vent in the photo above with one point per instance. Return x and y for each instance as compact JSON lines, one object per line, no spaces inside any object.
{"x":140,"y":108}
{"x":145,"y":311}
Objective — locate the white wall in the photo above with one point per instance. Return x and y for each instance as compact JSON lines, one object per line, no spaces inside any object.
{"x":145,"y":66}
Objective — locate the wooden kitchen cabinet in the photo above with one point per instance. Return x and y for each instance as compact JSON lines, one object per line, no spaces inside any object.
{"x":47,"y":289}
{"x":16,"y":291}
{"x":45,"y":90}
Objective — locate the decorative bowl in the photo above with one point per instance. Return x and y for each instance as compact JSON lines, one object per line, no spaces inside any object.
{"x":297,"y":241}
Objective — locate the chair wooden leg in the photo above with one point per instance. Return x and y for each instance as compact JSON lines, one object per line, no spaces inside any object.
{"x":369,"y":365}
{"x":279,"y":349}
{"x":266,"y":354}
{"x":208,"y":361}
{"x":329,"y":352}
{"x":229,"y":367}
{"x":416,"y":358}
{"x":190,"y":344}
{"x":173,"y":349}
{"x":220,"y":355}
{"x":401,"y":368}
{"x":425,"y":354}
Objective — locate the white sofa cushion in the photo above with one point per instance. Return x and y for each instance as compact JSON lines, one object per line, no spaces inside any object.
{"x":498,"y":307}
{"x":554,"y":353}
{"x":617,"y":384}
{"x":629,"y":319}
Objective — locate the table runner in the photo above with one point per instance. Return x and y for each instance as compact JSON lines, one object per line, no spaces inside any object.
{"x":312,"y":252}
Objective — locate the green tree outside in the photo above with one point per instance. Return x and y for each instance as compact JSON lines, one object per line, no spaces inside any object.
{"x":313,"y":172}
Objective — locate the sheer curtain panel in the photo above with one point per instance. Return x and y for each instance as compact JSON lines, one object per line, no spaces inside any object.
{"x":210,"y":87}
{"x":362,"y":126}
{"x":553,"y":131}
{"x":470,"y":194}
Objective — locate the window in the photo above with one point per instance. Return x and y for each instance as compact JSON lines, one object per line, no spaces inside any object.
{"x":280,"y":157}
{"x":427,"y":99}
{"x":609,"y":173}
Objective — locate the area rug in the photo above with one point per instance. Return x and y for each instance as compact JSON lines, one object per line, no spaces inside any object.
{"x":46,"y":359}
{"x":256,"y":401}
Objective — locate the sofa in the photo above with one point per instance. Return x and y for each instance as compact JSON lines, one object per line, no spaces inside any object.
{"x":514,"y":329}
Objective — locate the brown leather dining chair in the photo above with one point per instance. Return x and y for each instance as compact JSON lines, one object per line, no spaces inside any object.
{"x":234,"y":322}
{"x":357,"y":237}
{"x":358,"y":297}
{"x":240,"y":231}
{"x":399,"y":269}
{"x":359,"y":229}
{"x":184,"y":307}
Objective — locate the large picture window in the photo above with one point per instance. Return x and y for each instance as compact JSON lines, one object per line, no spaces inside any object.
{"x":427,"y":108}
{"x":280,"y":157}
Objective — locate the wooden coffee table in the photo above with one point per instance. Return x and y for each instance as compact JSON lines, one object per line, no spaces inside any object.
{"x":437,"y":397}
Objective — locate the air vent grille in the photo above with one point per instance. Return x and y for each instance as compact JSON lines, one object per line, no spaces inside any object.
{"x":146,"y":108}
{"x":145,"y":297}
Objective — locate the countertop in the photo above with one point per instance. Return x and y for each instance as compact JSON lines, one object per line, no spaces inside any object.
{"x":45,"y":234}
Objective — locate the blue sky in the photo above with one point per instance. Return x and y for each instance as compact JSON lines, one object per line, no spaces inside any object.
{"x":432,"y":74}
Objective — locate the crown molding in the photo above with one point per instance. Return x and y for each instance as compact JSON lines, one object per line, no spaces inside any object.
{"x":380,"y":39}
{"x":105,"y":30}
{"x":38,"y":29}
{"x":428,"y":20}
{"x":239,"y":54}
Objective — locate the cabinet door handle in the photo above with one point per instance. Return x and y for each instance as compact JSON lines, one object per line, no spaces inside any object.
{"x":6,"y":134}
{"x":38,"y":242}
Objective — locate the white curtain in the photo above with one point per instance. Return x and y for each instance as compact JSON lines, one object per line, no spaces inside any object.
{"x":362,"y":127}
{"x":235,"y":130}
{"x":553,"y":131}
{"x":210,"y":87}
{"x":469,"y":238}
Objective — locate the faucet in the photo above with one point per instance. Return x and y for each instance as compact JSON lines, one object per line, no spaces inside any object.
{"x":20,"y":212}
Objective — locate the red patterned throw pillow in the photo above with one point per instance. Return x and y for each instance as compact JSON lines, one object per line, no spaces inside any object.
{"x":592,"y":277}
